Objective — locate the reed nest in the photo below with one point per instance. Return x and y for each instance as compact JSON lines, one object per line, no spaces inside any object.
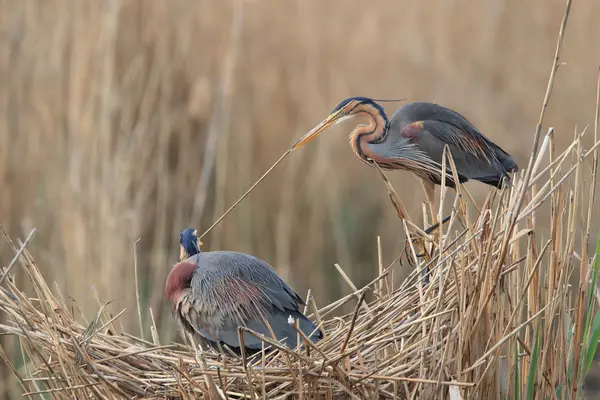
{"x":508,"y":310}
{"x":499,"y":315}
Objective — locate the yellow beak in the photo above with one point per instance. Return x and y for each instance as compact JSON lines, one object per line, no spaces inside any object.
{"x":184,"y":254}
{"x":317,"y":130}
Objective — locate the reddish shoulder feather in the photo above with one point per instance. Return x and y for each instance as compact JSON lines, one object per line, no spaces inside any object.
{"x":179,"y":279}
{"x":412,"y":130}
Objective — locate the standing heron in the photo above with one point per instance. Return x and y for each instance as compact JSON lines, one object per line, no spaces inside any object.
{"x":414,"y":140}
{"x":213,"y":293}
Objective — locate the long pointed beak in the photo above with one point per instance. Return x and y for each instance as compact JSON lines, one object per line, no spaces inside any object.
{"x":317,"y":130}
{"x":182,"y":253}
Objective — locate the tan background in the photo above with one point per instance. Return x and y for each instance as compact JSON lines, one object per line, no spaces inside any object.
{"x":105,"y":110}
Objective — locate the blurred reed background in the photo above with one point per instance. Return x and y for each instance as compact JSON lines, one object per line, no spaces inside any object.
{"x":112,"y":111}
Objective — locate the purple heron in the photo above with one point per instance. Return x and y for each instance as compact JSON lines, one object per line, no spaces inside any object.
{"x":414,"y":140}
{"x":215,"y":292}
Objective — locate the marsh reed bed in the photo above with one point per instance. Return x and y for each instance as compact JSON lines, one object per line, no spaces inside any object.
{"x":509,"y":311}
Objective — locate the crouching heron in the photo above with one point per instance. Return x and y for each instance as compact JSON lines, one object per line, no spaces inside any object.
{"x":414,"y":140}
{"x":213,"y":293}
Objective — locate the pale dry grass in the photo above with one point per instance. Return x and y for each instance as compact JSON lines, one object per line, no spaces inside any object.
{"x":107,"y":108}
{"x":471,"y":332}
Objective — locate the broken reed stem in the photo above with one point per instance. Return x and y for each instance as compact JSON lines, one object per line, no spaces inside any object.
{"x":523,"y":191}
{"x":352,"y":322}
{"x":137,"y":288}
{"x":16,"y":257}
{"x":416,"y":340}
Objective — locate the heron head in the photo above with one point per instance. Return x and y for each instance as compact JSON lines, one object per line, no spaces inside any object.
{"x":189,"y":244}
{"x":346,"y":109}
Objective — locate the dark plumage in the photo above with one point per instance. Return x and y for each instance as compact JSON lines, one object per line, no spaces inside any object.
{"x":475,"y":156}
{"x":215,"y":292}
{"x":414,"y":139}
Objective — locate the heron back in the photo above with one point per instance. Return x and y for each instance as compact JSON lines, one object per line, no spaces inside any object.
{"x":231,"y":289}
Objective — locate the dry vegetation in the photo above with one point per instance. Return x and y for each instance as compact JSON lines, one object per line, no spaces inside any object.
{"x":129,"y":119}
{"x":497,"y":318}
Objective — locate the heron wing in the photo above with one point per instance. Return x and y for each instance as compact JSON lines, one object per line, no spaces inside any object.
{"x":231,"y":289}
{"x":470,"y":160}
{"x":188,"y":317}
{"x":280,"y":324}
{"x":431,"y":127}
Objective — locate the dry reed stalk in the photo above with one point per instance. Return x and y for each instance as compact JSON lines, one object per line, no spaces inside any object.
{"x":490,"y":284}
{"x":416,"y":340}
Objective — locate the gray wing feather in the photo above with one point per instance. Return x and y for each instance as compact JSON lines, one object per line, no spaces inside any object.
{"x":230,"y":289}
{"x":278,"y":321}
{"x":467,"y":163}
{"x":216,"y":265}
{"x":469,"y":147}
